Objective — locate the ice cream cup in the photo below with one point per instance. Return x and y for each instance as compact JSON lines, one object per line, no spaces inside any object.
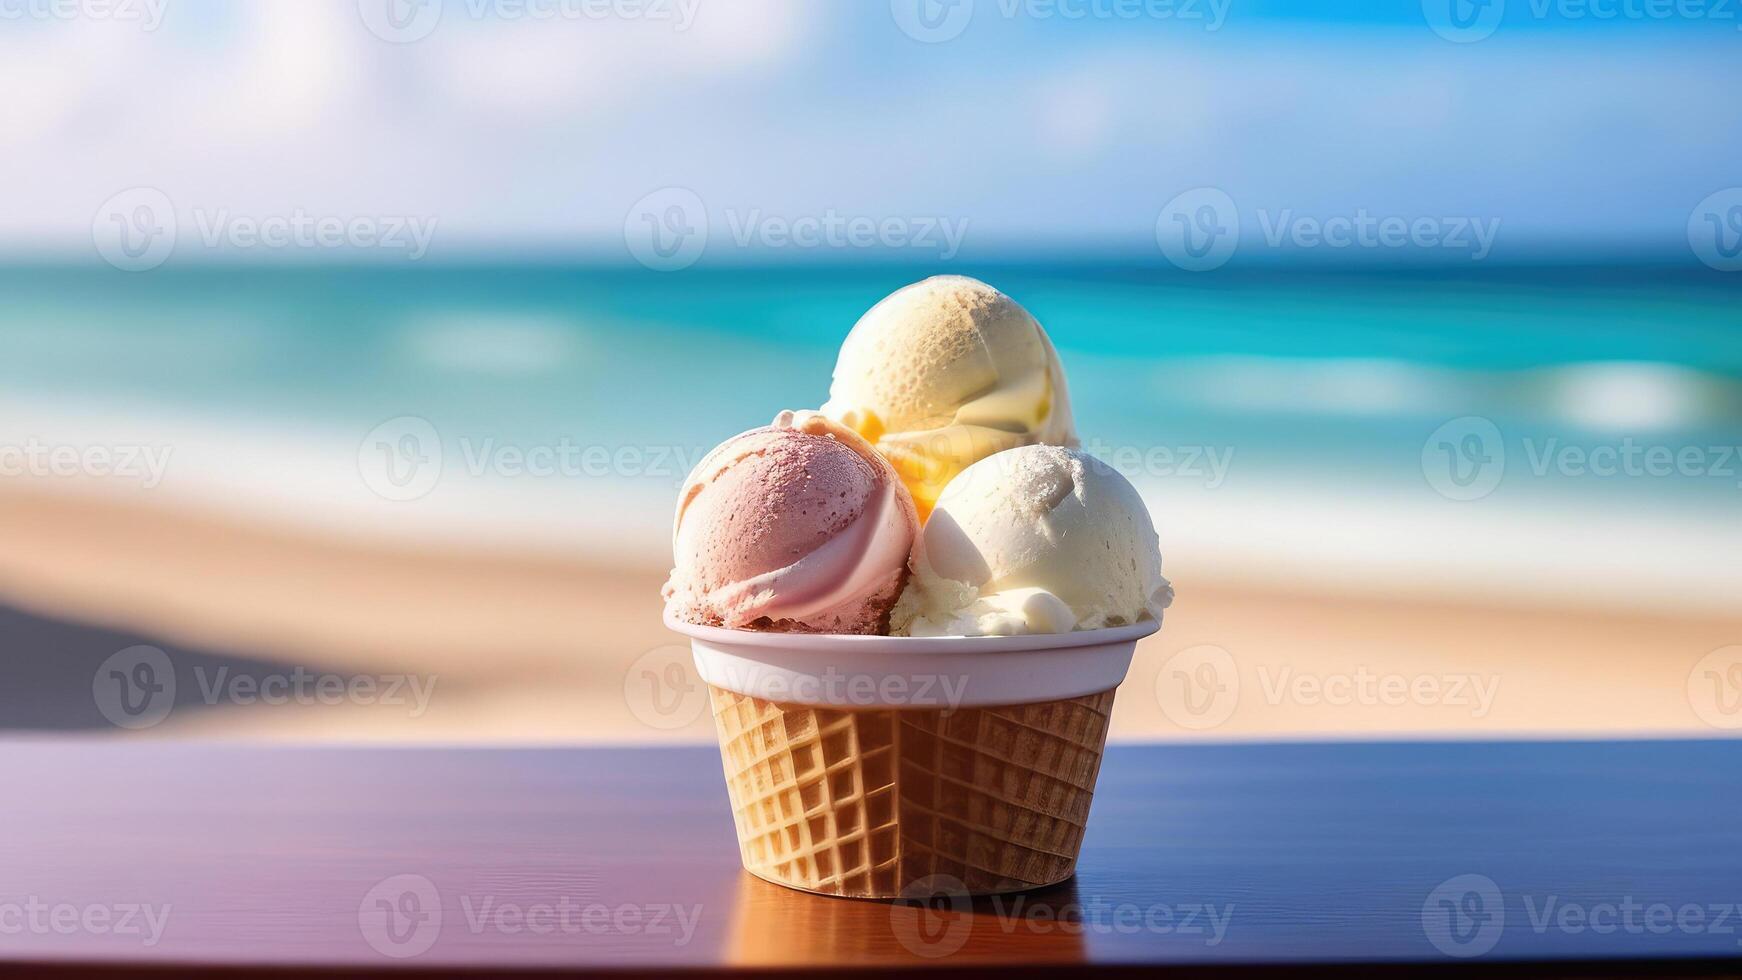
{"x":864,"y":766}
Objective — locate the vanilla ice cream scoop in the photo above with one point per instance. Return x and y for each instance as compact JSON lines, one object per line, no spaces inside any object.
{"x":945,"y":372}
{"x":1037,"y":539}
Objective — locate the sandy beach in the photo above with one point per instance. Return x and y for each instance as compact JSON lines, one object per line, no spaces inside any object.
{"x":436,"y":646}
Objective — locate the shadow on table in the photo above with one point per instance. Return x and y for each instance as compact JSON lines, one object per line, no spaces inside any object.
{"x":62,"y":676}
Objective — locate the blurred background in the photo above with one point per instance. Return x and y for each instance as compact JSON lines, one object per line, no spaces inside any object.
{"x":352,"y":353}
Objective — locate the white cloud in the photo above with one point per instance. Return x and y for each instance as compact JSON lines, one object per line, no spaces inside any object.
{"x":291,"y":71}
{"x":542,"y":69}
{"x":519,"y":130}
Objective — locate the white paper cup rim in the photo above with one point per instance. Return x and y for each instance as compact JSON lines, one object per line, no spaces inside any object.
{"x":868,"y":672}
{"x":867,"y":644}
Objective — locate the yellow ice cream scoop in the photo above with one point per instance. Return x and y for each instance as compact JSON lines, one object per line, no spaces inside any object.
{"x":946,"y":372}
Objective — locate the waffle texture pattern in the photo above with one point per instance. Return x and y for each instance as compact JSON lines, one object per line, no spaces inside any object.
{"x":863,"y":803}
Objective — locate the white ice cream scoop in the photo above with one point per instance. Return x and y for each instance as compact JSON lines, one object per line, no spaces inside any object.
{"x":1037,"y":539}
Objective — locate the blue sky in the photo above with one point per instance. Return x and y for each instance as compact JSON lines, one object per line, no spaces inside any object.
{"x":1031,"y":129}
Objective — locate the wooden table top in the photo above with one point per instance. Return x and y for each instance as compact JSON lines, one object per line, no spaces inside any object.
{"x":1538,"y":857}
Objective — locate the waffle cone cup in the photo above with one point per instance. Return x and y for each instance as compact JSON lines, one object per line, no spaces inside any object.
{"x":865,"y":803}
{"x":881,"y":766}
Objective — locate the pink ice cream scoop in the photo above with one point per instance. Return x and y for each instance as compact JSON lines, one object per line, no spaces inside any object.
{"x":798,"y":526}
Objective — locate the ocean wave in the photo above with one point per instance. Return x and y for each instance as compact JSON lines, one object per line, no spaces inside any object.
{"x":1300,"y":530}
{"x":1592,"y":395}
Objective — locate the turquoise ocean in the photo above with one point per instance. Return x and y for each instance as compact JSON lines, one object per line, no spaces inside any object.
{"x":1295,"y":423}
